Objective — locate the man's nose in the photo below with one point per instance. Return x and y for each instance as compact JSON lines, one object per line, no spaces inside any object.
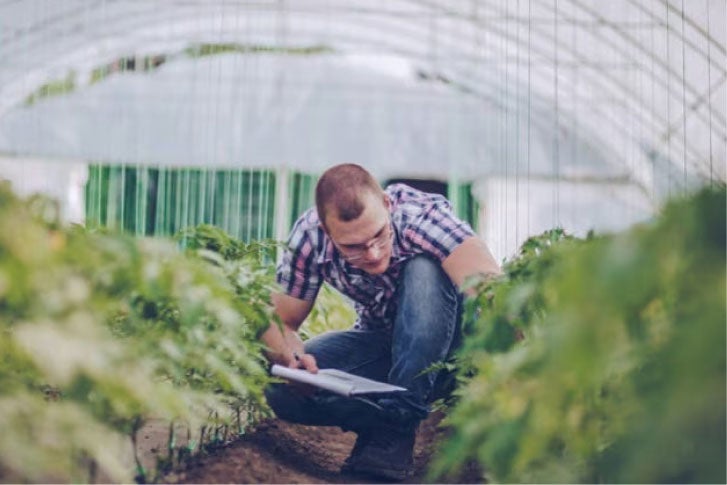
{"x":372,"y":253}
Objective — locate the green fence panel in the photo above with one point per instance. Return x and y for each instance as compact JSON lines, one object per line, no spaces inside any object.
{"x":161,"y":201}
{"x":302,"y":194}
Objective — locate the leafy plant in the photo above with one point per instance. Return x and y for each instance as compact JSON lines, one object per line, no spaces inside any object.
{"x":620,"y":376}
{"x":101,"y":331}
{"x":331,"y":311}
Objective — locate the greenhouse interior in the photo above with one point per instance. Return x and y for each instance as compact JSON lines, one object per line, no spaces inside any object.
{"x":155,"y":156}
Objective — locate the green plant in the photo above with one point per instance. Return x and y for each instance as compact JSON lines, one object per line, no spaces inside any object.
{"x":331,"y":311}
{"x":620,"y":376}
{"x":101,"y":331}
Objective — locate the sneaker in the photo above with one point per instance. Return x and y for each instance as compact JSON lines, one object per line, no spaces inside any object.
{"x":386,"y":453}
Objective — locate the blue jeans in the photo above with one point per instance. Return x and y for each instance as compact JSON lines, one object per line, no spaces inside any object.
{"x":426,"y":330}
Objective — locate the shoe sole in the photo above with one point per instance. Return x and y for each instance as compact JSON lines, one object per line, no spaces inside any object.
{"x":391,"y":474}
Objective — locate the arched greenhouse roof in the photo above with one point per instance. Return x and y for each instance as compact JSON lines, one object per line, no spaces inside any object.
{"x":627,"y":91}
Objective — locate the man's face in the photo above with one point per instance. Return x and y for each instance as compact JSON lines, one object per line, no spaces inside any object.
{"x":365,"y":242}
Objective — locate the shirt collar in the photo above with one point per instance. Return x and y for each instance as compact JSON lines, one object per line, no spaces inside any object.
{"x":329,"y":250}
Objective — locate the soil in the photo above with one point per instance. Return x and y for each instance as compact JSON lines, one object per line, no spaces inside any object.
{"x":280,"y":452}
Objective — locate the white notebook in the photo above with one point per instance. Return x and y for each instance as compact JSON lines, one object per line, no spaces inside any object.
{"x":336,"y":381}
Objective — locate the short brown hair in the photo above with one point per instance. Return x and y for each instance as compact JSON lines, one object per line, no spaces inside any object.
{"x":343,"y":187}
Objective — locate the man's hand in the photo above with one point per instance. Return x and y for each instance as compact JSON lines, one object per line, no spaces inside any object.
{"x":282,"y":341}
{"x":304,"y":361}
{"x":307,"y":362}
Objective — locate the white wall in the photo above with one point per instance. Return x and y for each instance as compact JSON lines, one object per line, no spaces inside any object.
{"x":64,"y":181}
{"x":513,"y":210}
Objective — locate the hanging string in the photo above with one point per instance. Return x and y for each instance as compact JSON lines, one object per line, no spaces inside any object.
{"x":575,"y":208}
{"x":281,"y":36}
{"x":556,"y":127}
{"x":230,"y":176}
{"x":503,"y":135}
{"x":641,"y":69}
{"x":211,"y":174}
{"x":161,"y":206}
{"x":530,"y":120}
{"x":684,"y":95}
{"x":668,"y":101}
{"x":506,"y":124}
{"x":518,"y":82}
{"x":709,"y":99}
{"x":653,"y":107}
{"x":140,"y":201}
{"x":249,"y":191}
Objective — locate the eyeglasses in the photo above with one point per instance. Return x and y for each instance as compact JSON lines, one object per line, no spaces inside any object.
{"x":356,"y":252}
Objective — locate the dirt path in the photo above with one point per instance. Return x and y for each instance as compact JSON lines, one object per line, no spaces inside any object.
{"x":279,"y":452}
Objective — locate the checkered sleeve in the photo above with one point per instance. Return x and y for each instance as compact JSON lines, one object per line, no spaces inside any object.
{"x":298,"y":272}
{"x":435,"y":230}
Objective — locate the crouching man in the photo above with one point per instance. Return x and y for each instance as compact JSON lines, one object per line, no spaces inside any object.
{"x":400,"y":255}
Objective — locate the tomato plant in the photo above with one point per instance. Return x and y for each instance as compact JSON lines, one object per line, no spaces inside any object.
{"x":620,"y":376}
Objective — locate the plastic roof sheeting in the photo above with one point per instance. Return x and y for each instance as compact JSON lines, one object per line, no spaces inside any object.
{"x":625,"y":90}
{"x":229,"y":115}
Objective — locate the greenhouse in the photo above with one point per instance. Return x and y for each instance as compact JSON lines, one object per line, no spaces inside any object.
{"x":155,"y":156}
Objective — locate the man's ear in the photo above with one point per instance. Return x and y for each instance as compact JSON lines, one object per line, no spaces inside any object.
{"x":387,"y":202}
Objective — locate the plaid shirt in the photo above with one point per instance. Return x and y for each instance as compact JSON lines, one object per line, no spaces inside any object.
{"x":422,"y":223}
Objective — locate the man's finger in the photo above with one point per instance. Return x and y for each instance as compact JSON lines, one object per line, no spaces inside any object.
{"x":309,"y":363}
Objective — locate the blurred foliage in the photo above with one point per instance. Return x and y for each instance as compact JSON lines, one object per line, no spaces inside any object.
{"x":55,"y":87}
{"x":331,"y":311}
{"x":100,"y":331}
{"x":600,"y":360}
{"x":202,"y":50}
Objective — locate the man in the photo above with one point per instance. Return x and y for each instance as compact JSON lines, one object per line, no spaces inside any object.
{"x":400,"y":255}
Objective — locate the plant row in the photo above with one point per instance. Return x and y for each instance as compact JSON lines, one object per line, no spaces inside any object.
{"x":600,"y":359}
{"x":100,"y":332}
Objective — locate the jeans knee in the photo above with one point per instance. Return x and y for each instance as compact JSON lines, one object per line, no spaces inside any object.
{"x":421,"y":266}
{"x":422,"y":272}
